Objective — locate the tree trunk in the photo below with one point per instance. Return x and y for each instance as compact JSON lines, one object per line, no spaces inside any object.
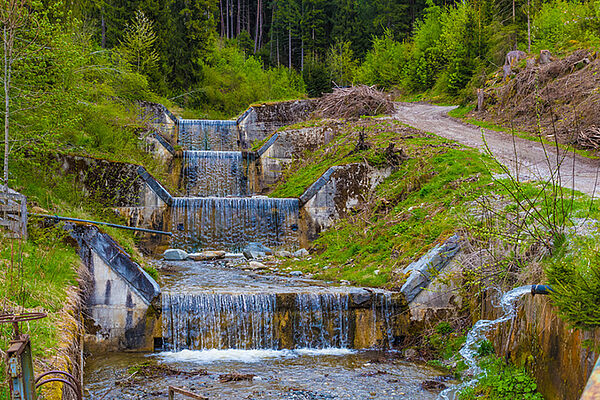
{"x":222,"y":20}
{"x":528,"y":30}
{"x":257,"y":24}
{"x":7,"y":71}
{"x":238,"y":25}
{"x":103,"y":24}
{"x":227,"y":18}
{"x":260,"y":31}
{"x":290,"y":47}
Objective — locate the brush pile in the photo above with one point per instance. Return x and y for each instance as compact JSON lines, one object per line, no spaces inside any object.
{"x":589,"y":138}
{"x":354,"y":102}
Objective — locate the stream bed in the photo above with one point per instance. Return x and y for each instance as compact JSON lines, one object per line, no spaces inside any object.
{"x":230,"y":321}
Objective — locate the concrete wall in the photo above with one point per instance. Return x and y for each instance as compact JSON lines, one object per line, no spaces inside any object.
{"x":536,"y":339}
{"x":122,"y":302}
{"x":260,"y":121}
{"x":541,"y":341}
{"x":335,"y":195}
{"x":283,"y":147}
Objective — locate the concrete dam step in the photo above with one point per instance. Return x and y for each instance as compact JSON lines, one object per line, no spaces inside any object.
{"x":248,"y":321}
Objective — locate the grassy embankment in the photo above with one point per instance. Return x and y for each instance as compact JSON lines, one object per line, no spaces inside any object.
{"x":441,"y":189}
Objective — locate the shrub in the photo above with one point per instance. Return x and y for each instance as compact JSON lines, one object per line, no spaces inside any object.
{"x":561,"y":24}
{"x":384,"y":64}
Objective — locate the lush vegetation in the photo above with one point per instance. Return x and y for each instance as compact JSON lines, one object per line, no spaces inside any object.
{"x":37,"y":276}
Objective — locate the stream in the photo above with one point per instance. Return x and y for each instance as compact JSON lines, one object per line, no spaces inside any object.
{"x":234,"y":334}
{"x":207,"y":336}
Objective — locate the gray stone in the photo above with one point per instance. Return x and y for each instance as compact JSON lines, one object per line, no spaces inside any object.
{"x":175,"y":255}
{"x":301,"y":253}
{"x":361,"y":297}
{"x":255,"y":265}
{"x":207,"y":255}
{"x":256,"y":247}
{"x":296,"y":273}
{"x":283,"y":253}
{"x":420,"y":271}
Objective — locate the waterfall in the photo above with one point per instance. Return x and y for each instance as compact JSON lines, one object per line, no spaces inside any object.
{"x":477,"y":334}
{"x":249,"y":321}
{"x":202,"y":134}
{"x":231,"y":223}
{"x":214,"y":173}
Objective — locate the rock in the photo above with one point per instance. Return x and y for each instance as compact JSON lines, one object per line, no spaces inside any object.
{"x":256,"y":247}
{"x":255,"y":265}
{"x":296,"y":273}
{"x":39,"y":210}
{"x":301,"y":253}
{"x":545,"y":57}
{"x":420,"y":271}
{"x":207,"y":255}
{"x":433,"y":386}
{"x":361,"y":297}
{"x":248,"y":255}
{"x":283,"y":253}
{"x":345,"y":282}
{"x":175,"y":255}
{"x":376,"y":272}
{"x":233,"y":255}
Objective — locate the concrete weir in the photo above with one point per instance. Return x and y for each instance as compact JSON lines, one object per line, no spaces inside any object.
{"x":122,"y":301}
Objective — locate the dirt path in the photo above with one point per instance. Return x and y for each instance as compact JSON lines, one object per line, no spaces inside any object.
{"x":526,"y":157}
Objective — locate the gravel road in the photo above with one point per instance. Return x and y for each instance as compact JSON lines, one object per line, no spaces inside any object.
{"x":526,"y":157}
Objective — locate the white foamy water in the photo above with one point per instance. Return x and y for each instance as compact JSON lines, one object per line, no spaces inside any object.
{"x":246,"y":356}
{"x":477,"y":334}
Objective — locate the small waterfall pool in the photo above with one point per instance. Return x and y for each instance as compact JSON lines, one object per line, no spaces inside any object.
{"x":302,"y":339}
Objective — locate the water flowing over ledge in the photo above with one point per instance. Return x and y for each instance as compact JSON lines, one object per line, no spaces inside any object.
{"x":214,"y":173}
{"x":218,"y":223}
{"x":202,"y":134}
{"x":282,"y":320}
{"x":246,"y":356}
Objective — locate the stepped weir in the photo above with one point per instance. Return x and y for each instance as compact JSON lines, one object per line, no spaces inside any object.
{"x":293,"y":338}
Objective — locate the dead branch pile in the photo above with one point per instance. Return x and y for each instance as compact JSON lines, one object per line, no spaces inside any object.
{"x":589,"y":138}
{"x":354,"y":102}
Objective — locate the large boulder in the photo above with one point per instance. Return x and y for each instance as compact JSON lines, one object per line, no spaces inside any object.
{"x":175,"y":255}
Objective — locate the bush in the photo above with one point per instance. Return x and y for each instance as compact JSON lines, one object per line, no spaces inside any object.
{"x":560,"y":25}
{"x":575,"y":277}
{"x":384,"y":64}
{"x":231,"y":81}
{"x":316,"y":78}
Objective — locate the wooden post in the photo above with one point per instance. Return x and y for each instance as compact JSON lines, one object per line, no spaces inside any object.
{"x":480,"y":99}
{"x":173,"y":390}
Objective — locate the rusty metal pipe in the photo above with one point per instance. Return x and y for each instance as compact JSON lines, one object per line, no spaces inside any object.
{"x":61,"y":380}
{"x":68,"y":375}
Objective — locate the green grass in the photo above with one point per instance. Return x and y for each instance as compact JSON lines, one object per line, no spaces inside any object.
{"x":417,"y":206}
{"x":35,"y":277}
{"x":501,"y":381}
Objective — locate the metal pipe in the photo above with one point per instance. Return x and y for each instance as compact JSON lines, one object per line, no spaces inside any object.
{"x":541,"y":289}
{"x":66,"y":374}
{"x":63,"y":381}
{"x":131,"y":228}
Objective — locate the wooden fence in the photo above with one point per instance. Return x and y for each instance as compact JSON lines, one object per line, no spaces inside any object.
{"x":13,"y":214}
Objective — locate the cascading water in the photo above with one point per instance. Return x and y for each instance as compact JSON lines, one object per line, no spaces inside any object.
{"x":477,"y":334}
{"x":217,"y":223}
{"x":258,"y":321}
{"x":202,"y":134}
{"x":214,"y":173}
